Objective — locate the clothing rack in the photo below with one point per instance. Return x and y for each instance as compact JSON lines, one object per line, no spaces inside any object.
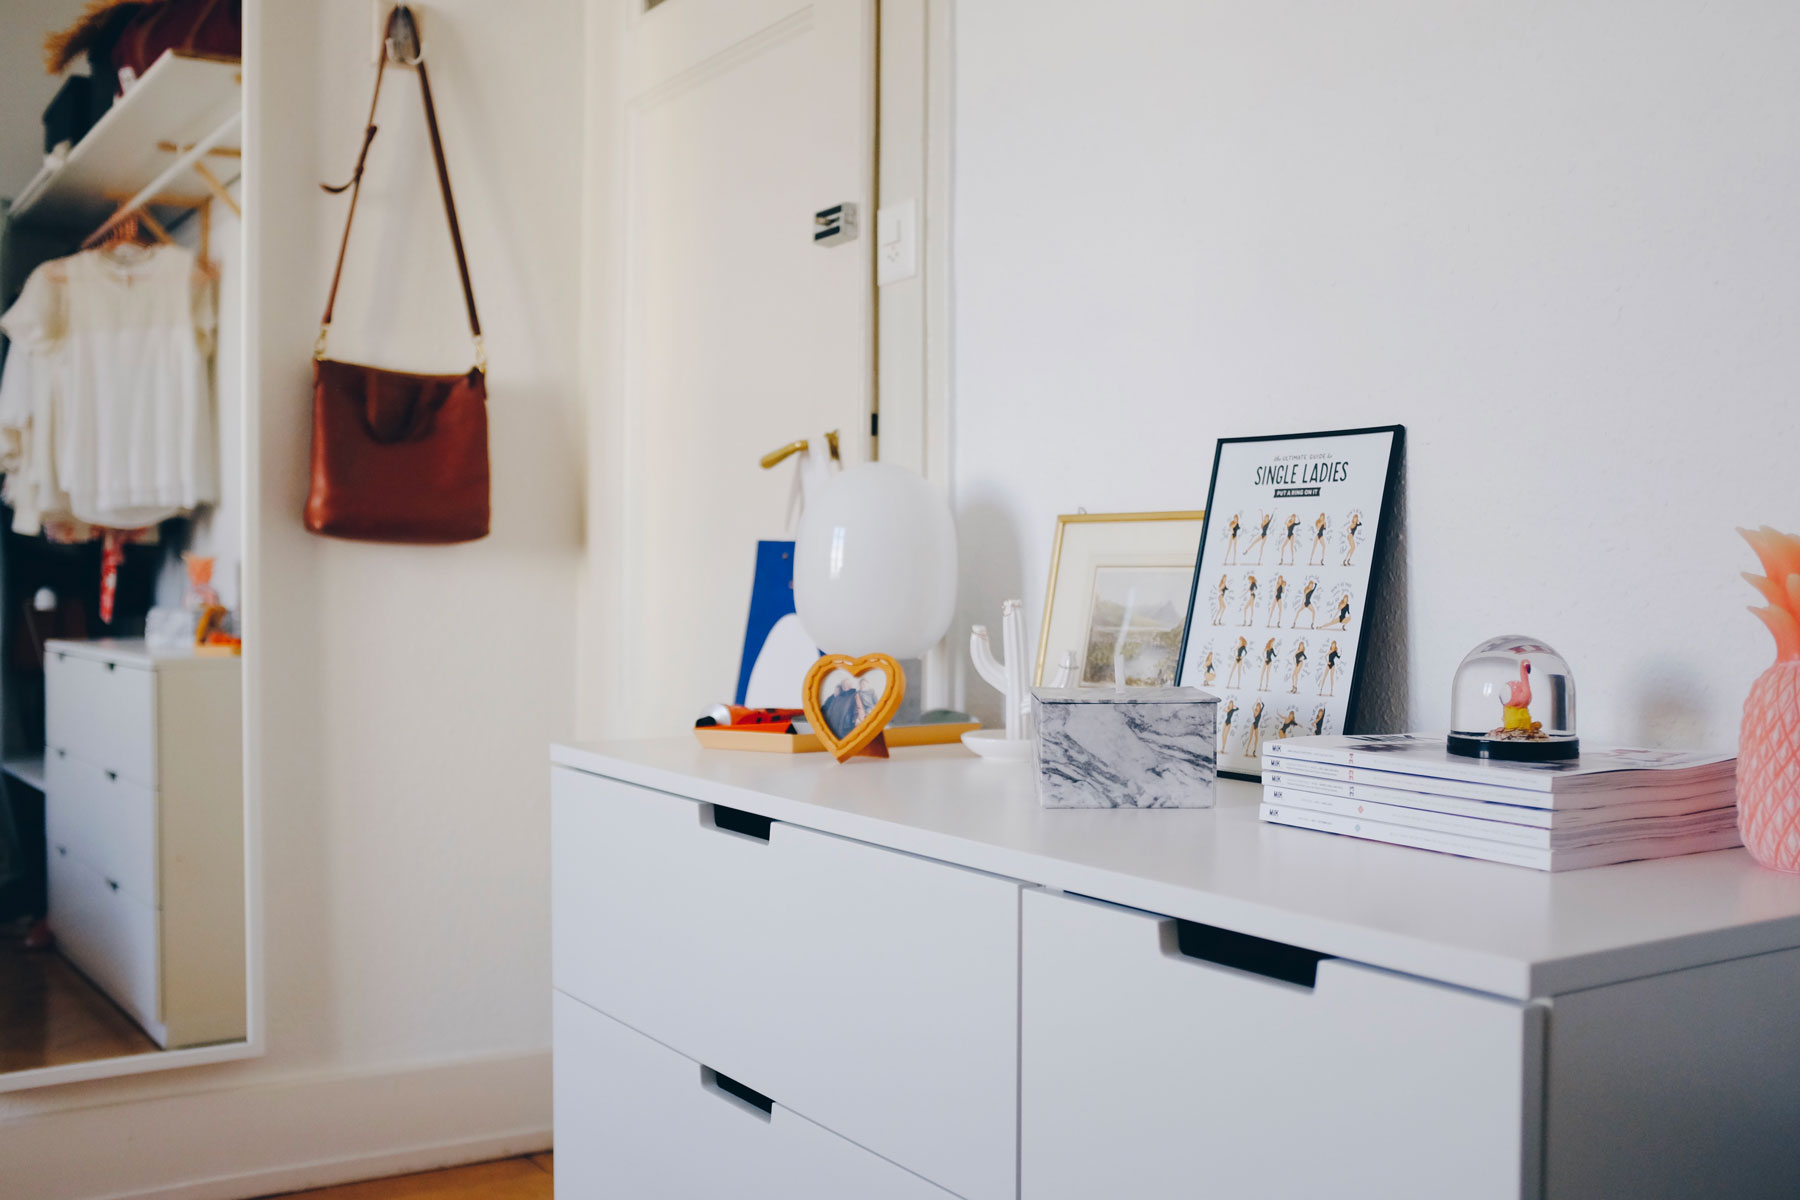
{"x":191,"y":158}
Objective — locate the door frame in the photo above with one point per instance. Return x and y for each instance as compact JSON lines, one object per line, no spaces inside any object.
{"x":912,"y":317}
{"x":912,"y":365}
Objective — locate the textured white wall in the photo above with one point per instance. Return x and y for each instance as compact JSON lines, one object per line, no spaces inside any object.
{"x":404,"y":696}
{"x":1557,"y":241}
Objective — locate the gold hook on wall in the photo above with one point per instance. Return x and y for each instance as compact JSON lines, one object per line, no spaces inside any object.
{"x":775,"y":458}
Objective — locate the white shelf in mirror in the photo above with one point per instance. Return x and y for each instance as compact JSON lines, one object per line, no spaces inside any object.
{"x":179,"y":102}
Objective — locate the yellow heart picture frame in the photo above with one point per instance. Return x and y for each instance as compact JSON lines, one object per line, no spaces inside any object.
{"x":865,"y":731}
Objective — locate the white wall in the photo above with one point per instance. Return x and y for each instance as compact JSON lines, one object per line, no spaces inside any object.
{"x":1557,"y":241}
{"x":405,"y":696}
{"x":25,"y":88}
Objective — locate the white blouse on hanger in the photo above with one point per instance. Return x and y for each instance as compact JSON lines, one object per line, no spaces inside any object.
{"x":27,"y":397}
{"x":124,"y":337}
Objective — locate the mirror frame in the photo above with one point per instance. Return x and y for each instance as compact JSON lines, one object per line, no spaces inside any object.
{"x":255,"y":119}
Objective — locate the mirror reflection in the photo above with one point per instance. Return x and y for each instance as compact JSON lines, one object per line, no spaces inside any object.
{"x":122,"y":918}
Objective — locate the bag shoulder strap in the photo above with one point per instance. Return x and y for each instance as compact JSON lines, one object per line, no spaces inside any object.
{"x":354,"y":187}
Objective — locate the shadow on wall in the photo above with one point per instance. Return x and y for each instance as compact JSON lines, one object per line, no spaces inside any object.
{"x":1381,"y":705}
{"x":987,"y":539}
{"x":1666,"y":706}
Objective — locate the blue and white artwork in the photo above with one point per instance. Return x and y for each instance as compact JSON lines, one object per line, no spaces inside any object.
{"x":777,"y":651}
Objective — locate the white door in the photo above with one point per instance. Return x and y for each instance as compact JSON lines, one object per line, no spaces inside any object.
{"x":742,"y":120}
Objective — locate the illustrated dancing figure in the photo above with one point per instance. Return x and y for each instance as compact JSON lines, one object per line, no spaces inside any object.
{"x":1253,"y":739}
{"x":1287,"y":725}
{"x":1207,"y":669}
{"x":1249,"y":613}
{"x":1231,"y":546}
{"x":1236,"y":677}
{"x":1219,"y":612}
{"x":1306,"y":608}
{"x":1350,"y":537}
{"x":1342,"y":620}
{"x":1231,"y":709}
{"x":1299,"y":665}
{"x":1318,"y":725}
{"x":1262,"y":684}
{"x":1328,"y":677}
{"x":1275,"y":603}
{"x":1318,"y":546}
{"x":1289,"y":546}
{"x":1260,"y":542}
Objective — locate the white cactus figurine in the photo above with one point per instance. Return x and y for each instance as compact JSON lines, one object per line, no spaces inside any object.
{"x":1011,"y":679}
{"x":1007,"y":678}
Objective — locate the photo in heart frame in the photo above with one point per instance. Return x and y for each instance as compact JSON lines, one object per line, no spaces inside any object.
{"x":850,"y":701}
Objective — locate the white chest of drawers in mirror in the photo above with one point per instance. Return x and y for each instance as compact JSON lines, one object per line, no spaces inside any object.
{"x":143,"y":814}
{"x":796,"y":979}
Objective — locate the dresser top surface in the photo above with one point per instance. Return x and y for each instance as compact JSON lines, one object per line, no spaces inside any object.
{"x":136,"y":652}
{"x":1501,"y":929}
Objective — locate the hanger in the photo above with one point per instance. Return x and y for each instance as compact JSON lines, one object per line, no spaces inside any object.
{"x":140,"y":227}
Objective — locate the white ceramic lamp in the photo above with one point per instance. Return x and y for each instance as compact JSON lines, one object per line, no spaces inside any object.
{"x":875,"y":563}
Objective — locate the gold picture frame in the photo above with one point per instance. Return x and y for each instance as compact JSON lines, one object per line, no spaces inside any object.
{"x":1166,"y":542}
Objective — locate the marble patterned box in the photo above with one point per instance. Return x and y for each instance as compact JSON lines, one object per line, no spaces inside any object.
{"x":1139,"y":748}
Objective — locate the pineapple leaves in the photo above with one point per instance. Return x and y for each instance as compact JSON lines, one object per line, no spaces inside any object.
{"x":1781,"y":623}
{"x":1779,"y":586}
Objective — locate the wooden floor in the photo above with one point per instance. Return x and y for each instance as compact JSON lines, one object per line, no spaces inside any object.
{"x":50,"y":1015}
{"x":509,"y":1179}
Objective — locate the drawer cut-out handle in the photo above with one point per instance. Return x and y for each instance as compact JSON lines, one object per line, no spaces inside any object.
{"x":112,"y":666}
{"x":743,"y":1094}
{"x":1244,"y":952}
{"x":736,"y":820}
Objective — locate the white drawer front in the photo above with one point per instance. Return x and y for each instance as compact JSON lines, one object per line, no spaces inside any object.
{"x":103,"y":712}
{"x":1150,"y":1074}
{"x":104,"y":820}
{"x":635,"y":1119}
{"x":872,"y":992}
{"x":109,"y":935}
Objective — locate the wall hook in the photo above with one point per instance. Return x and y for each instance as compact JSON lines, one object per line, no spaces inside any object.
{"x":404,"y":45}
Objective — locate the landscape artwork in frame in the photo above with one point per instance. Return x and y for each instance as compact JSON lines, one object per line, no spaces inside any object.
{"x":1117,"y":597}
{"x":1281,"y":604}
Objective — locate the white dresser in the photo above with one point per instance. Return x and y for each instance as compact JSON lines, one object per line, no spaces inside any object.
{"x":787,"y":978}
{"x":144,"y":817}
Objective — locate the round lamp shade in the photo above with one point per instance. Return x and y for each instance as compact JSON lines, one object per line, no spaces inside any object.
{"x":875,"y":564}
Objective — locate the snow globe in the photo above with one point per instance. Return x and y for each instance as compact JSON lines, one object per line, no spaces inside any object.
{"x":1514,"y":699}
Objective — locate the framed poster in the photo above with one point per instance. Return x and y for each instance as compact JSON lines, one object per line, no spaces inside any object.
{"x":1119,"y":590}
{"x":1281,"y":606}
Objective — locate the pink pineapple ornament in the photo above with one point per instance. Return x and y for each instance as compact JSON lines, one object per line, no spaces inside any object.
{"x":1768,"y":772}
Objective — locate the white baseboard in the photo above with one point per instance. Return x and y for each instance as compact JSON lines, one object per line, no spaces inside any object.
{"x":283,"y":1134}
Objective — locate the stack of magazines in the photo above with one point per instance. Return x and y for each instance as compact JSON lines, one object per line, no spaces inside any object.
{"x":1608,"y":806}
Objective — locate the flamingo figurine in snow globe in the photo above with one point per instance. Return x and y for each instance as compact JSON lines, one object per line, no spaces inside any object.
{"x":1533,"y":691}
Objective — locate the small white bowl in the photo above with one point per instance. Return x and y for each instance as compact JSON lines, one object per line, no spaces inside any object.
{"x":992,"y":746}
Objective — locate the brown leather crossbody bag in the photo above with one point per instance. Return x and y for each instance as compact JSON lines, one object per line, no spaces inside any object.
{"x":398,"y":457}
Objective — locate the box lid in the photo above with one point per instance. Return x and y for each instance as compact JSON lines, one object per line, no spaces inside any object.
{"x":1136,"y":695}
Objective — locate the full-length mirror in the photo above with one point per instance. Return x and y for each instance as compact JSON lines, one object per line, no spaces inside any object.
{"x":123,"y":928}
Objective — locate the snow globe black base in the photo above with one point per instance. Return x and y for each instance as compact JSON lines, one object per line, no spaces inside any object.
{"x":1544,"y":748}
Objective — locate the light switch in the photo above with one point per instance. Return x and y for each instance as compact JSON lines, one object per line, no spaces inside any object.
{"x":896,"y":242}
